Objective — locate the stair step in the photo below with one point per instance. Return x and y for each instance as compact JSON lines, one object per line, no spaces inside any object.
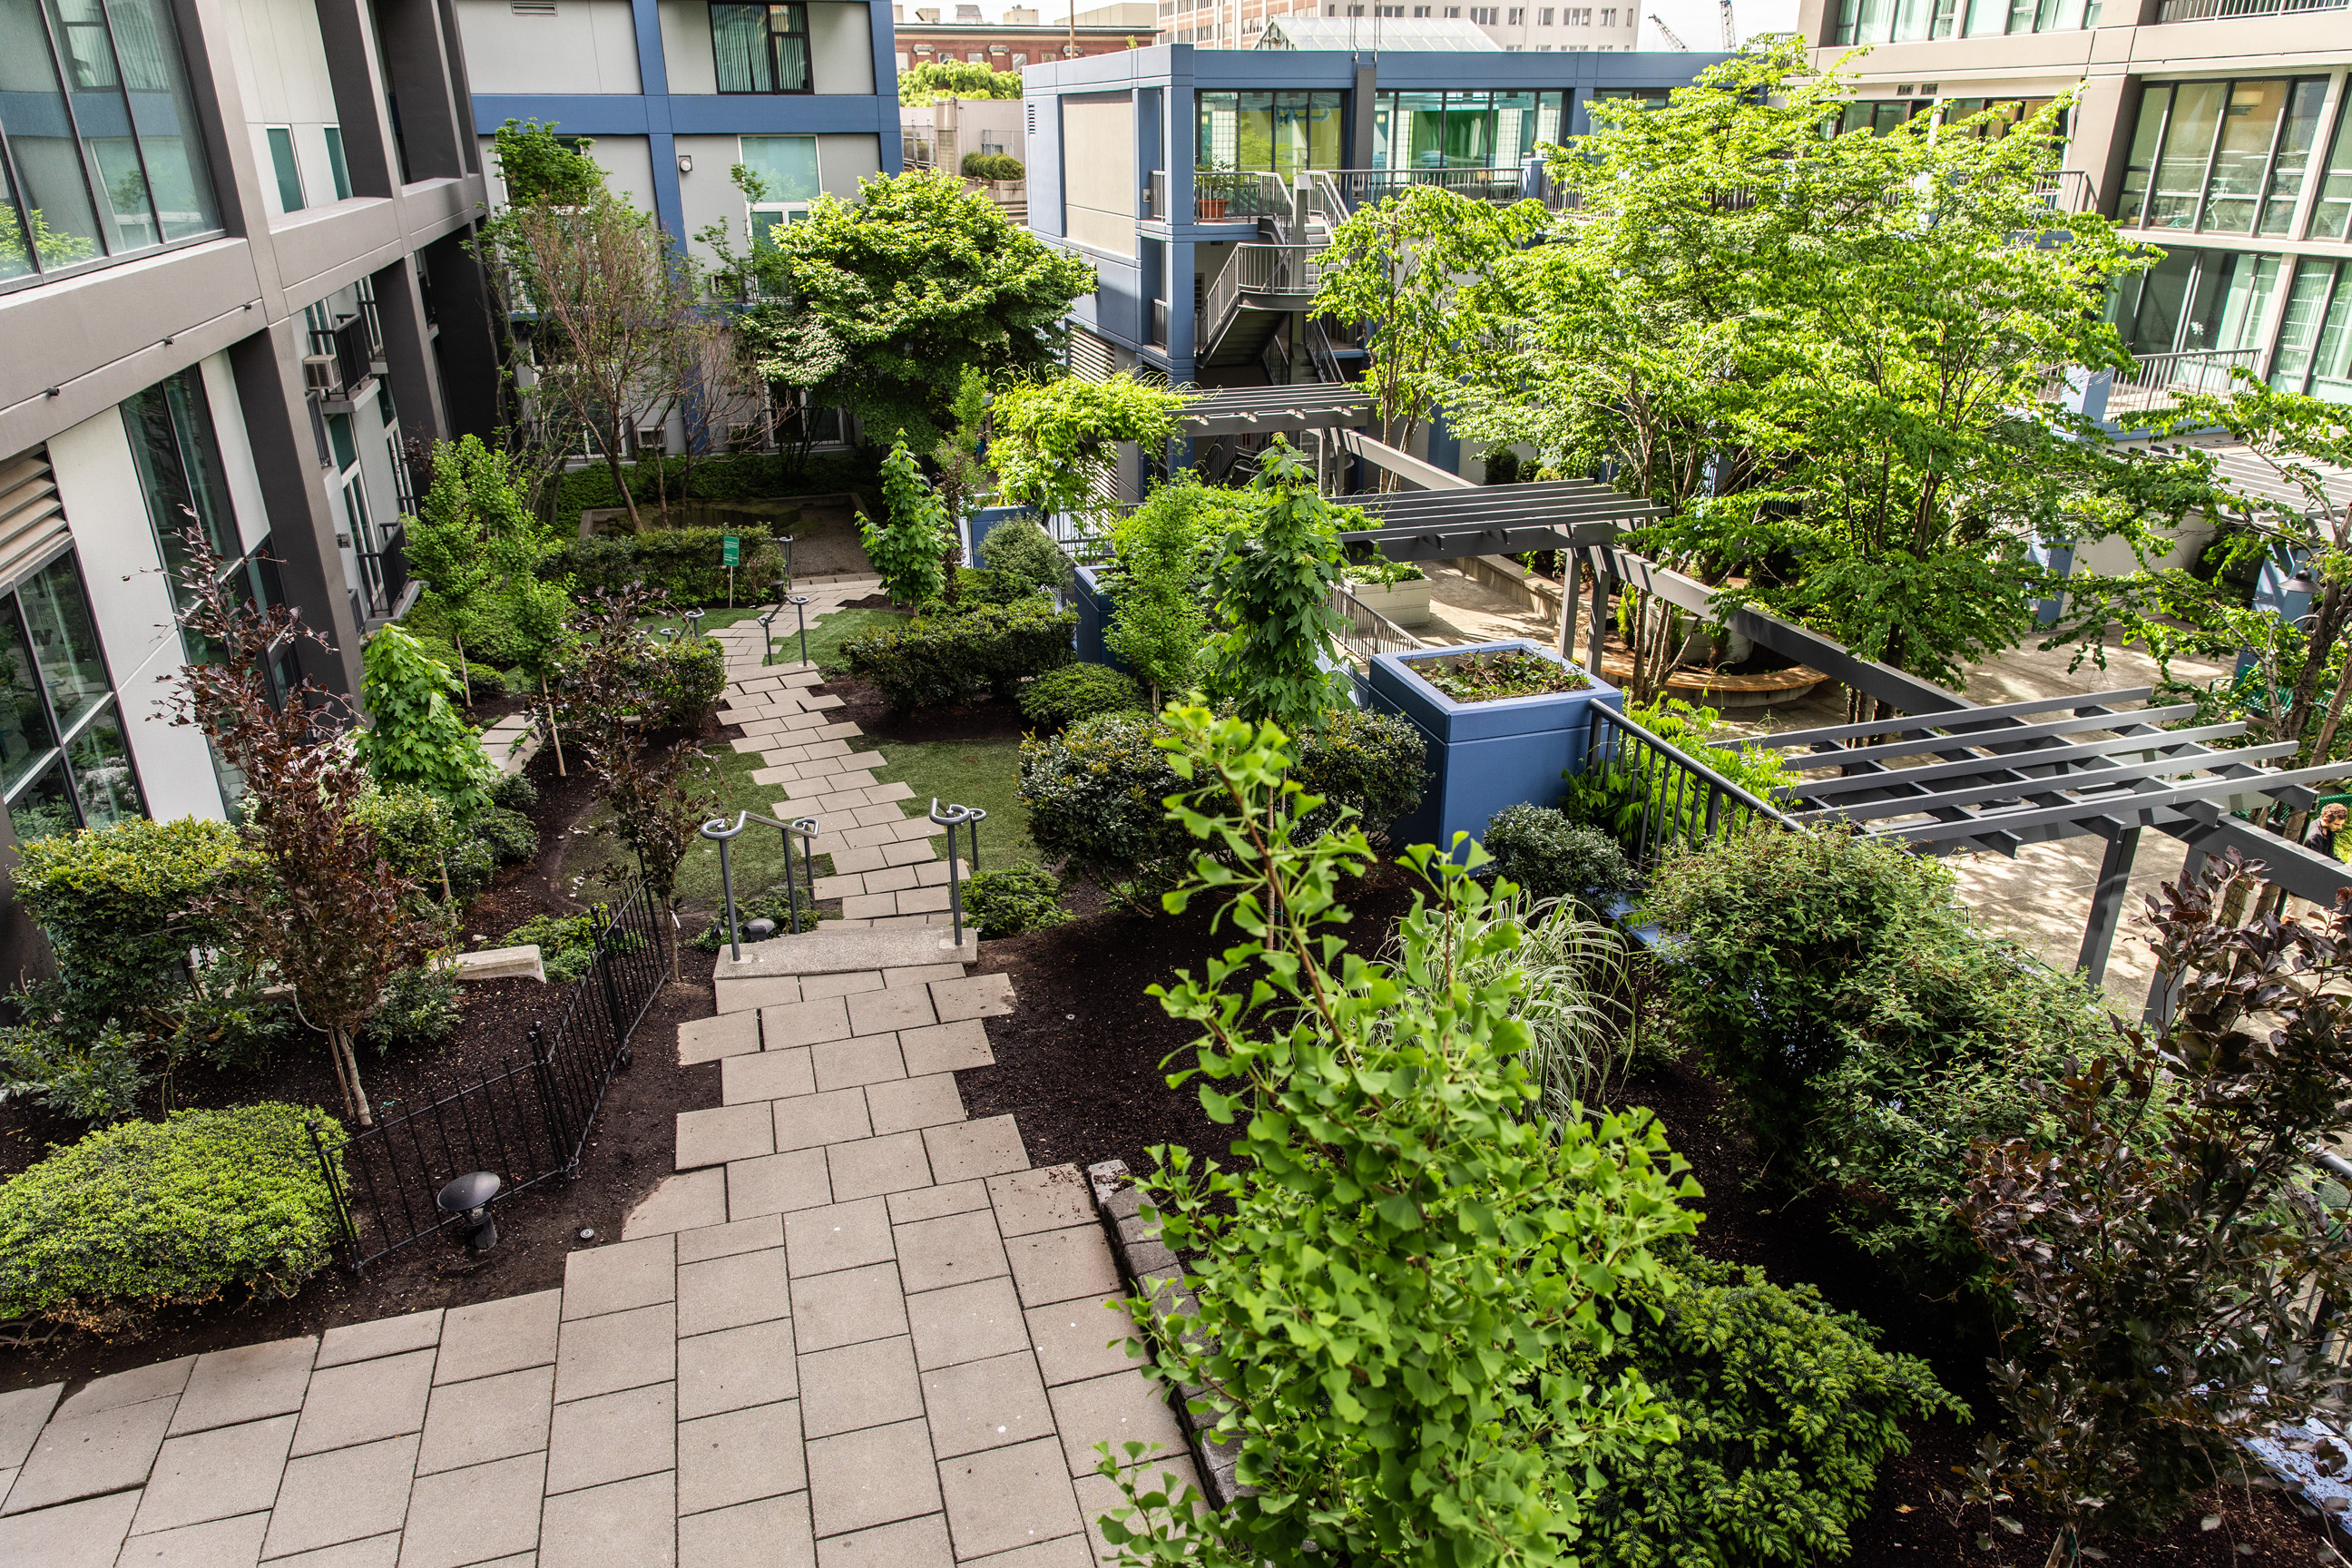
{"x":846,"y":952}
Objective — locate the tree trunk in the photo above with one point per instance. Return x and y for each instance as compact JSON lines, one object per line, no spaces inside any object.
{"x":612,"y":464}
{"x":347,"y":1074}
{"x":553,"y":734}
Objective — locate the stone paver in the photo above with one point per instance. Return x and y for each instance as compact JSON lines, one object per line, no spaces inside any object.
{"x":853,"y":1330}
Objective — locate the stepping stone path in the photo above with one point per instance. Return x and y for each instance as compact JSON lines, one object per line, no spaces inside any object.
{"x":856,"y":1330}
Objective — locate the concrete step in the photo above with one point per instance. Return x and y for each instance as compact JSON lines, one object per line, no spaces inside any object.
{"x":830,"y":952}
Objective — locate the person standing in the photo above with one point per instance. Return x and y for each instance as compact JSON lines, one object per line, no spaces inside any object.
{"x":2321,"y":837}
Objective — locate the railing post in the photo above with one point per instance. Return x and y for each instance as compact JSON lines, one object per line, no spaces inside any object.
{"x":604,"y":965}
{"x":550,"y":1103}
{"x":792,"y":882}
{"x":335,"y":1191}
{"x":727,"y":889}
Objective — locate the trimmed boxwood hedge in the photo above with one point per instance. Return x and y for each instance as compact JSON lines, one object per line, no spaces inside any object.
{"x":940,"y":659}
{"x":149,"y":1214}
{"x":684,"y":563}
{"x":117,"y":902}
{"x":1062,"y":696}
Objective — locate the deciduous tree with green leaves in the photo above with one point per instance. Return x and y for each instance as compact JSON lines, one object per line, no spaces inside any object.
{"x":413,"y":734}
{"x":904,"y":547}
{"x":1406,"y":1294}
{"x":878,"y":306}
{"x":1057,"y":440}
{"x":1272,"y":590}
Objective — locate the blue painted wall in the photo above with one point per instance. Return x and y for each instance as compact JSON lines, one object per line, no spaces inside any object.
{"x":661,"y":117}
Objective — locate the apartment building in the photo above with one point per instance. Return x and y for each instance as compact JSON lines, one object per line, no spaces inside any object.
{"x":1533,"y":29}
{"x":1020,"y":35}
{"x":233,"y":281}
{"x":2215,"y":128}
{"x":674,"y":93}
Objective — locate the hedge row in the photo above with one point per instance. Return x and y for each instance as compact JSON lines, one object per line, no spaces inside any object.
{"x":686,"y":564}
{"x":748,"y":476}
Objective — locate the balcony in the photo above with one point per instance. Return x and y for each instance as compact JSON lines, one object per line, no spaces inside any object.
{"x":2225,"y":10}
{"x":2156,"y":387}
{"x":340,"y":365}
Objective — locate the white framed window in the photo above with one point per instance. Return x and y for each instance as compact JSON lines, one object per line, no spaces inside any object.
{"x":1608,"y":17}
{"x":1543,"y":18}
{"x":289,"y":172}
{"x":1579,"y":16}
{"x":787,"y":168}
{"x":1518,"y":16}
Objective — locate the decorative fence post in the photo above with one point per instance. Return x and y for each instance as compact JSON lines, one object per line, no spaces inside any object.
{"x":602,"y":962}
{"x":335,"y":1191}
{"x":951,"y":818}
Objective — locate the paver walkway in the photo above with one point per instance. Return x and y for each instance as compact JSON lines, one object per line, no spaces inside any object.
{"x":854,"y":1330}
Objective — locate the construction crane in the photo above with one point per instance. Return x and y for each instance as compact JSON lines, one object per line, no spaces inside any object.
{"x":1731,"y":32}
{"x":1672,"y":37}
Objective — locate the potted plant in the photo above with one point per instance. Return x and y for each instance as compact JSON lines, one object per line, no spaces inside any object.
{"x":1210,"y":192}
{"x":1397,"y":591}
{"x":1503,"y":721}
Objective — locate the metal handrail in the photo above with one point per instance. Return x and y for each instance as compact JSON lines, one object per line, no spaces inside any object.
{"x":1359,"y":187}
{"x":719,"y":833}
{"x":1369,"y":631}
{"x":1239,"y":196}
{"x":967,"y":817}
{"x":1256,"y":269}
{"x":1696,"y":804}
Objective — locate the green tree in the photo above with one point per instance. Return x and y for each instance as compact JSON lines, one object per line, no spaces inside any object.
{"x":928,"y":81}
{"x":1829,"y":358}
{"x":538,"y":165}
{"x":1159,"y":626}
{"x":1056,"y":441}
{"x":965,"y":477}
{"x":1407,"y":1294}
{"x":1397,"y":265}
{"x":904,"y":547}
{"x":1272,"y":590}
{"x":477,"y":546}
{"x":878,"y":306}
{"x":415,"y":736}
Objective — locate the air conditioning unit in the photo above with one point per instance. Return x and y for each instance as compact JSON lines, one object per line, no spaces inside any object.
{"x":652,"y":441}
{"x":323,"y":375}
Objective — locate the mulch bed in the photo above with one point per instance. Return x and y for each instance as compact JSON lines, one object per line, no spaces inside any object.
{"x":1080,"y":1068}
{"x":633,"y":1146}
{"x":863,"y":704}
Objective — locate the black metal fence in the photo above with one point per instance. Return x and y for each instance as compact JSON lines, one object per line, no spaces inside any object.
{"x":526,"y":1122}
{"x":1653,"y":797}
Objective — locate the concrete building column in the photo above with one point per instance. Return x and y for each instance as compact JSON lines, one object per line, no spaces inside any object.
{"x":269,"y":370}
{"x":408,"y":352}
{"x":357,"y":74}
{"x":2101,"y":144}
{"x":470,"y":369}
{"x":415,"y":66}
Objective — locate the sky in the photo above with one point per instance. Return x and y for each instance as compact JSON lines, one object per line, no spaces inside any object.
{"x":1698,"y":21}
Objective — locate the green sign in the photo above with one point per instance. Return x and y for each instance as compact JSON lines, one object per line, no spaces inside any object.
{"x":732,"y":548}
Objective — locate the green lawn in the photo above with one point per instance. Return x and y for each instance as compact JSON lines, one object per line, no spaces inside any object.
{"x":985,"y":773}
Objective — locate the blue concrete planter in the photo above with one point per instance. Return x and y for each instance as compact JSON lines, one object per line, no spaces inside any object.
{"x":1484,"y":756}
{"x":1094,"y":605}
{"x":987,"y":518}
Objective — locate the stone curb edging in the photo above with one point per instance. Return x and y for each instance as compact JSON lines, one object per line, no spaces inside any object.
{"x":1158,"y":1277}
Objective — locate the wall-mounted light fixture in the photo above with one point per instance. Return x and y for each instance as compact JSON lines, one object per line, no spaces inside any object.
{"x":685,"y":163}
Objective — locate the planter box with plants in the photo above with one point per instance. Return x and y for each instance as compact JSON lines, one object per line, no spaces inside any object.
{"x":1397,"y":591}
{"x":1503,"y":721}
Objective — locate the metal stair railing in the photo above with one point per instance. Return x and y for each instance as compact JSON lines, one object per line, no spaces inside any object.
{"x":803,"y":829}
{"x":1255,"y":269}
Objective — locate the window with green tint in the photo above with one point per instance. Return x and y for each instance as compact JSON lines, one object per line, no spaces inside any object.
{"x":26,"y":736}
{"x":335,"y":165}
{"x":290,"y":172}
{"x":786,"y":165}
{"x":2222,"y":157}
{"x":178,"y":459}
{"x":64,"y":644}
{"x":105,"y":785}
{"x":44,"y":808}
{"x":760,"y":48}
{"x":339,"y":434}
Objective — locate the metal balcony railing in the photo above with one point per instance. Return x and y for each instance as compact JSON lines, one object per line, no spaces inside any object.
{"x":1244,"y":195}
{"x":353,"y":346}
{"x":2069,"y":191}
{"x":385,"y":570}
{"x":2162,"y":378}
{"x":1358,"y":188}
{"x":2219,"y":10}
{"x":1656,"y":798}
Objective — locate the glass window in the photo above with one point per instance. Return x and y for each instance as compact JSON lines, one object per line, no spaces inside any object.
{"x":25,"y":733}
{"x":1907,"y":21}
{"x":2227,"y":157}
{"x":346,"y":446}
{"x":53,"y":200}
{"x":336,"y":165}
{"x":2188,"y":153}
{"x":786,"y":164}
{"x":44,"y":808}
{"x":64,"y":640}
{"x":178,"y":458}
{"x":290,"y":172}
{"x":1280,"y":133}
{"x":2333,"y":208}
{"x":105,"y":785}
{"x":760,"y":48}
{"x":162,"y":116}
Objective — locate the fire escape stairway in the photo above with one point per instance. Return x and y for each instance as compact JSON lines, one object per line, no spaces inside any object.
{"x":1261,"y":282}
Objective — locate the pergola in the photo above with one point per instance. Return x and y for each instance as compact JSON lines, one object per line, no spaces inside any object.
{"x":1263,"y":410}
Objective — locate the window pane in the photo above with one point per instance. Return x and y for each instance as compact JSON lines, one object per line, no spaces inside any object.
{"x":2334,"y":205}
{"x":336,"y":165}
{"x":2293,"y":155}
{"x":788,"y":34}
{"x":739,"y":41}
{"x":2242,"y":161}
{"x":147,"y":48}
{"x":787,"y":164}
{"x":2164,"y":291}
{"x":172,"y":442}
{"x":16,"y":256}
{"x":339,"y":434}
{"x":2331,"y":368}
{"x":2304,"y":303}
{"x":2188,"y":144}
{"x":25,"y":733}
{"x":65,"y":642}
{"x":46,"y":809}
{"x":2226,"y":306}
{"x":2140,"y":167}
{"x":1987,"y":17}
{"x":104,"y":119}
{"x":1550,"y":120}
{"x":290,"y":172}
{"x":40,"y":141}
{"x":103,"y":782}
{"x":1469,"y":131}
{"x":1421,"y":131}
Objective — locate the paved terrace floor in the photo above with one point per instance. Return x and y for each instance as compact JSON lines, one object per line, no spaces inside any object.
{"x":856,"y":1330}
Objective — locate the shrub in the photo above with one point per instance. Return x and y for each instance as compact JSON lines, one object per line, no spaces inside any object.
{"x":515,"y":792}
{"x":1060,"y":698}
{"x":121,"y":904}
{"x":151,"y":1215}
{"x":472,"y":868}
{"x":993,"y":166}
{"x":413,"y":828}
{"x":1095,"y":792}
{"x":685,"y":565}
{"x":1870,"y":1033}
{"x":419,"y":1008}
{"x":416,"y":736}
{"x":942,"y":658}
{"x":906,"y":548}
{"x":512,"y":837}
{"x":688,"y":679}
{"x":1552,"y":858}
{"x":1786,"y":1411}
{"x":567,"y":945}
{"x":1021,"y":558}
{"x":83,"y":1073}
{"x":1616,"y":799}
{"x":229,"y":1019}
{"x":1008,"y":902}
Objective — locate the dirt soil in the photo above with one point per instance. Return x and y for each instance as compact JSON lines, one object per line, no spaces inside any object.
{"x":633,"y":1146}
{"x":1080,"y":1068}
{"x":863,"y":704}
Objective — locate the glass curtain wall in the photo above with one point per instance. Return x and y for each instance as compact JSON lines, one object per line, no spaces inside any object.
{"x":2314,"y":342}
{"x":64,"y":761}
{"x":2221,"y":157}
{"x":760,"y":48}
{"x":99,"y":150}
{"x":2197,"y":299}
{"x":1280,"y":133}
{"x":1908,"y":21}
{"x":1463,"y":130}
